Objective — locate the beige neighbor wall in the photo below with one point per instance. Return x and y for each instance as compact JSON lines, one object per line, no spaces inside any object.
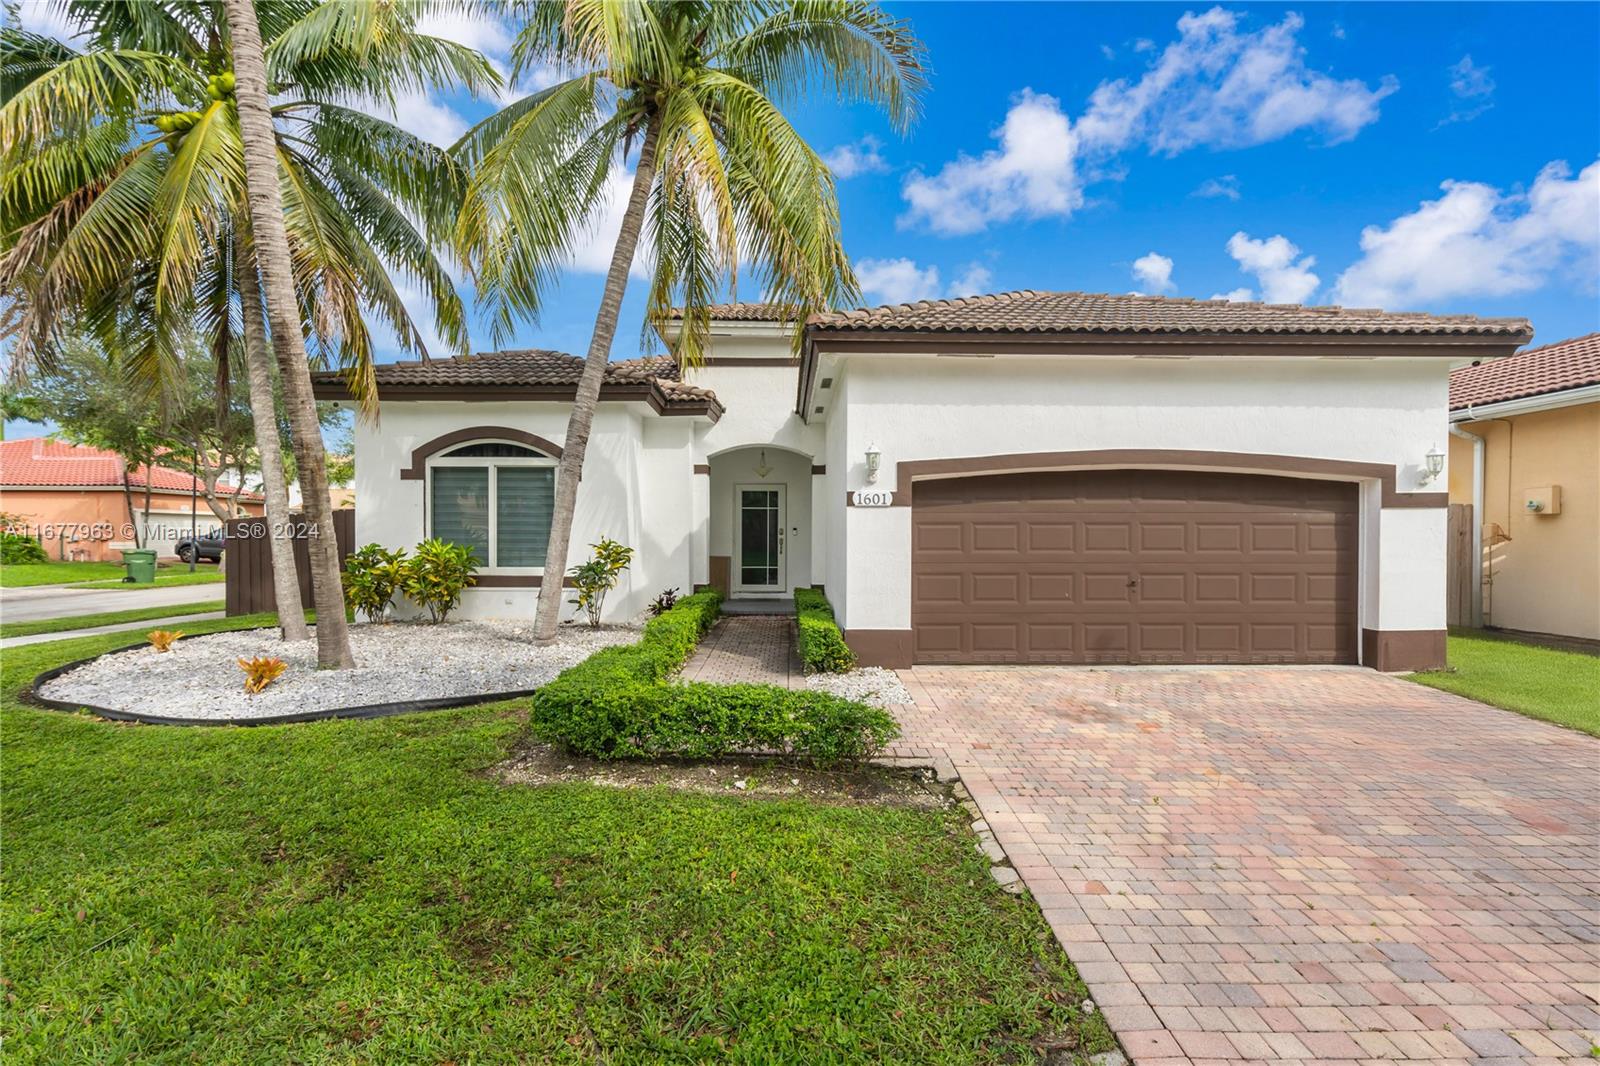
{"x":1546,"y":578}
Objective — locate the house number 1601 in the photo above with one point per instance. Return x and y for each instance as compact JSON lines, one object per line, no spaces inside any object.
{"x":873,"y":498}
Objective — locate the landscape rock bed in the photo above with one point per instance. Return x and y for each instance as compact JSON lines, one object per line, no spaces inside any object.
{"x":397,"y":663}
{"x":870,"y":684}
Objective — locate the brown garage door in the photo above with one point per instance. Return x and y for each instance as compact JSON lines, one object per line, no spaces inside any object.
{"x":1134,"y":566}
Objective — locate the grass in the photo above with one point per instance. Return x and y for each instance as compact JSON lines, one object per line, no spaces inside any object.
{"x":363,"y":891}
{"x":21,"y":575}
{"x":105,"y":618}
{"x":177,"y":574}
{"x":102,"y":575}
{"x":1556,"y":686}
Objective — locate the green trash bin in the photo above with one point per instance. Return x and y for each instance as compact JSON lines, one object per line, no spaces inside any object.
{"x":141,"y":564}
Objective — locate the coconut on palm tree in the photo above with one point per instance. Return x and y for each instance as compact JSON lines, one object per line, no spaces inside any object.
{"x":123,"y":206}
{"x":691,"y":91}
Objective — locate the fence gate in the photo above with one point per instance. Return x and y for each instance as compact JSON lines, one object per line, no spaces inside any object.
{"x":1462,"y":570}
{"x":249,"y":560}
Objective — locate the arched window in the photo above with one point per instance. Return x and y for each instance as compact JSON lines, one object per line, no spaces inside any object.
{"x":495,"y":497}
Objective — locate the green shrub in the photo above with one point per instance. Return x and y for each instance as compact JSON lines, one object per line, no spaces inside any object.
{"x":817,"y":636}
{"x":372,"y":575}
{"x":437,"y":575}
{"x":619,"y":704}
{"x":593,"y":579}
{"x":19,"y":549}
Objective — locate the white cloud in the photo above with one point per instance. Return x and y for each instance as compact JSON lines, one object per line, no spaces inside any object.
{"x":899,"y":281}
{"x":1032,"y":174}
{"x":1154,"y":273}
{"x":1477,"y":241}
{"x":478,"y":29}
{"x":1285,"y":276}
{"x":1107,"y":51}
{"x":976,"y":279}
{"x":1219,"y":87}
{"x":1225,"y":187}
{"x":418,"y":113}
{"x":1216,"y":86}
{"x":1472,"y":87}
{"x":848,"y":160}
{"x":46,"y":18}
{"x":1237,"y":296}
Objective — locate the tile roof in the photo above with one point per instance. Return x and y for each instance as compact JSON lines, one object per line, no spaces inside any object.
{"x":39,"y":461}
{"x":1027,"y":311}
{"x":534,"y":367}
{"x":1568,"y":364}
{"x":745,"y":311}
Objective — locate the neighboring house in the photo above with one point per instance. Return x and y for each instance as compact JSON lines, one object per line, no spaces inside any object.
{"x":1525,"y":455}
{"x":71,"y":497}
{"x":1024,"y":477}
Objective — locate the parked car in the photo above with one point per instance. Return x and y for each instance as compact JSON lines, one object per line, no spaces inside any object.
{"x":206,"y":548}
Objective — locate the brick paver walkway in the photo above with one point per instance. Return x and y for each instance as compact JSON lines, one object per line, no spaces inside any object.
{"x":1282,"y":865}
{"x":754,"y":648}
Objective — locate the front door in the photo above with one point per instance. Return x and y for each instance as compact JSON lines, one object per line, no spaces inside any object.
{"x":758,"y":567}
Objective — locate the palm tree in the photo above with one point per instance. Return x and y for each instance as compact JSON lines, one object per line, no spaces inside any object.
{"x":271,"y":243}
{"x":720,"y":175}
{"x":122,"y":204}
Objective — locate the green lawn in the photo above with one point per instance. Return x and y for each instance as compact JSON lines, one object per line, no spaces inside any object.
{"x":362,"y":891}
{"x":103,"y":575}
{"x":21,"y":575}
{"x":1557,"y":686}
{"x":166,"y":576}
{"x":105,"y":618}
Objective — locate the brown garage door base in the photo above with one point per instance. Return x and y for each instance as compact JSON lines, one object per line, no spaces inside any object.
{"x":1134,"y":566}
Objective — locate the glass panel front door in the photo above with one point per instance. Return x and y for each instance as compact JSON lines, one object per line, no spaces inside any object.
{"x":760,"y":538}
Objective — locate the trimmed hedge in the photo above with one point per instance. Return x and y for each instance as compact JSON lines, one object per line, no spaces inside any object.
{"x":620,"y":703}
{"x":818,"y":638}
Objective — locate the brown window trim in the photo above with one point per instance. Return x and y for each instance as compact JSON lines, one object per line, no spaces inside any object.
{"x":421,"y":453}
{"x":518,"y":581}
{"x":1241,"y":462}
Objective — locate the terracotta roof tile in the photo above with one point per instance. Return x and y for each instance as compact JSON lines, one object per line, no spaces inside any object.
{"x":1568,"y":364}
{"x":533,"y":367}
{"x":1027,"y":311}
{"x":744,"y":311}
{"x":39,"y":461}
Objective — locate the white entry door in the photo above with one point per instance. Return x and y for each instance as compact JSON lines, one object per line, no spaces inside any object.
{"x":758,"y":530}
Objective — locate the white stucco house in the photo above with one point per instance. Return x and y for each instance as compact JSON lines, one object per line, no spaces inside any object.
{"x":1022,"y":477}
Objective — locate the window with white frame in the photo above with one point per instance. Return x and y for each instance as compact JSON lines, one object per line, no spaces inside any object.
{"x":495,"y":498}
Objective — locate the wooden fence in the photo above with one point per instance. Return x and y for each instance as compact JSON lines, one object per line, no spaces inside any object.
{"x":249,"y":560}
{"x":1461,"y":571}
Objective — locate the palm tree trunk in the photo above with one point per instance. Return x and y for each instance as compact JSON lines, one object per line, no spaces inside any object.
{"x":569,"y":471}
{"x":283,"y":316}
{"x":258,"y":364}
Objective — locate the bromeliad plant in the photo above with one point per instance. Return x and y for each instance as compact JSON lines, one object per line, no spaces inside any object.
{"x":599,"y":576}
{"x":260,"y":672}
{"x":372,"y":576}
{"x":437,"y":575}
{"x":163,"y":639}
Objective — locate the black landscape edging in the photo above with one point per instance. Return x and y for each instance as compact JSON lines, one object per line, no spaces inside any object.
{"x":370,"y":710}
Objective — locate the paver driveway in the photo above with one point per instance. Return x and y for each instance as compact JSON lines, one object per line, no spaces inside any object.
{"x":1283,"y":864}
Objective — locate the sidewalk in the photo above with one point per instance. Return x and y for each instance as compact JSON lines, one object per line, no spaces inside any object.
{"x":754,"y":649}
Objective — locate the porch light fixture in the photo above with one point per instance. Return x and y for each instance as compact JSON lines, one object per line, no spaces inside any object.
{"x":1435,"y":466}
{"x":874,"y":459}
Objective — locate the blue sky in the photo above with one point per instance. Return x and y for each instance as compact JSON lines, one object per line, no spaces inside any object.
{"x":1434,"y":157}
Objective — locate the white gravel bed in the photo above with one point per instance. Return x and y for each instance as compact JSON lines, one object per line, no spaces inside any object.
{"x":870,"y":684}
{"x":200,"y":677}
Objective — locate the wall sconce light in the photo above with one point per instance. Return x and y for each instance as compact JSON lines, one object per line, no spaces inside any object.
{"x":874,"y":460}
{"x":1435,"y":466}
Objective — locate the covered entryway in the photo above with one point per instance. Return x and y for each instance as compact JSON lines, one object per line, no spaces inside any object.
{"x":760,"y":542}
{"x":1134,"y":566}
